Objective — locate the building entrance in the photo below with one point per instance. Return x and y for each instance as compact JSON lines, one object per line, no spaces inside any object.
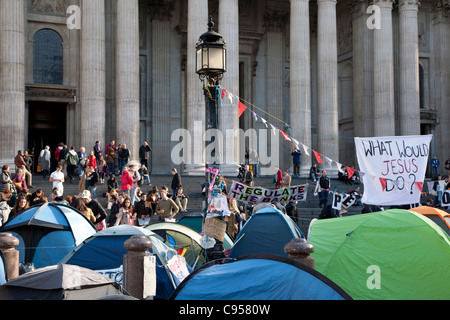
{"x":47,"y":125}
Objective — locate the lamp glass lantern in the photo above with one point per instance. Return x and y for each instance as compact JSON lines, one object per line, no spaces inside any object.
{"x":211,"y":55}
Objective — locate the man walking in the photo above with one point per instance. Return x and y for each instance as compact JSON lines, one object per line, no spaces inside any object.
{"x":57,"y":178}
{"x":72,"y":162}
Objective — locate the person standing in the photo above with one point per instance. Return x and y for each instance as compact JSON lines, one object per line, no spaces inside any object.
{"x":57,"y":178}
{"x":72,"y":161}
{"x":324,"y":183}
{"x":20,"y":163}
{"x":286,"y":183}
{"x":126,"y":180}
{"x":248,"y":176}
{"x":143,"y":153}
{"x":314,"y":172}
{"x":296,"y":154}
{"x":123,"y":155}
{"x":92,"y":179}
{"x":45,"y":161}
{"x":176,"y":182}
{"x":97,"y":150}
{"x":435,"y":163}
{"x":135,"y":186}
{"x":5,"y":180}
{"x":82,"y":156}
{"x":278,"y":179}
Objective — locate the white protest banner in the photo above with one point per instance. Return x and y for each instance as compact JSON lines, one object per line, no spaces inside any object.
{"x":242,"y":192}
{"x":394,"y":168}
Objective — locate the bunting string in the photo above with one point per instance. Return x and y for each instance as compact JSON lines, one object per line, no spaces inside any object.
{"x":244,"y":105}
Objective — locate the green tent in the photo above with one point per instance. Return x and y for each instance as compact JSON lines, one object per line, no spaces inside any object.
{"x":389,"y":255}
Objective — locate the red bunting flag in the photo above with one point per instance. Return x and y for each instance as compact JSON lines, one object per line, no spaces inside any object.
{"x":383,"y":183}
{"x":351,"y":172}
{"x":223,"y":93}
{"x":318,"y":155}
{"x":242,"y":108}
{"x":420,"y":185}
{"x":285,"y":136}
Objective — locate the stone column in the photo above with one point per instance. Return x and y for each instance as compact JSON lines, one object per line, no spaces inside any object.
{"x":127,"y":75}
{"x":383,"y":72}
{"x":195,"y":113}
{"x":328,"y":125}
{"x":362,"y":70}
{"x":409,"y":68}
{"x":161,"y":90}
{"x":12,"y":79}
{"x":441,"y":51}
{"x":275,"y":24}
{"x":92,"y":73}
{"x":228,"y":113}
{"x":300,"y":91}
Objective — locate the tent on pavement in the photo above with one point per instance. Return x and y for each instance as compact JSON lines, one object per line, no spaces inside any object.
{"x":47,"y":233}
{"x":258,"y":277}
{"x":440,"y":217}
{"x":389,"y":255}
{"x":104,"y":251}
{"x":193,"y":221}
{"x":184,"y":240}
{"x":60,"y":282}
{"x":267,"y":231}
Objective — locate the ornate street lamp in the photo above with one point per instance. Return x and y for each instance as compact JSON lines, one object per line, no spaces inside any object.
{"x":211,"y":65}
{"x":211,"y":56}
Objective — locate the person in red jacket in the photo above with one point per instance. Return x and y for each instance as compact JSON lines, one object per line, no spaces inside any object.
{"x":278,"y":178}
{"x":92,"y":160}
{"x":126,"y":180}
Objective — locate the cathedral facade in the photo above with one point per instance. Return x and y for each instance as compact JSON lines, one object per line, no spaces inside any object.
{"x":323,"y":71}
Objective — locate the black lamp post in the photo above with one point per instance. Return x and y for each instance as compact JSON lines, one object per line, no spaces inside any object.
{"x":211,"y":65}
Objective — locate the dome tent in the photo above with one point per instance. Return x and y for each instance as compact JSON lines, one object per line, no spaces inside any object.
{"x":47,"y":233}
{"x":258,"y":277}
{"x":389,"y":255}
{"x":440,"y":217}
{"x":267,"y":231}
{"x":60,"y":282}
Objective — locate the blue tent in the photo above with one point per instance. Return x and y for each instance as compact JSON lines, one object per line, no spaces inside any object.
{"x":258,"y":277}
{"x":103,"y":252}
{"x":47,"y":233}
{"x":267,"y":231}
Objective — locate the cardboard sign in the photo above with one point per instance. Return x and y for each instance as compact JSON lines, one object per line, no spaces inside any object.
{"x":215,"y":228}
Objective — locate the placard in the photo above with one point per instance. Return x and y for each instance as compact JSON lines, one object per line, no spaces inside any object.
{"x":215,"y":228}
{"x":394,"y":168}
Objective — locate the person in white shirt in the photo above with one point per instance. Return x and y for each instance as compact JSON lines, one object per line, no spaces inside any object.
{"x":57,"y":177}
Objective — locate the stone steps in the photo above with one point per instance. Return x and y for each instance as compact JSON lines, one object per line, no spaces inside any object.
{"x":192,"y":186}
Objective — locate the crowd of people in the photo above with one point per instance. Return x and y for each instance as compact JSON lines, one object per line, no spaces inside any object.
{"x":127,"y":202}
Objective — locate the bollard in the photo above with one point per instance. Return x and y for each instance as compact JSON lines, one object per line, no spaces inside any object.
{"x":299,"y":250}
{"x":139,"y":268}
{"x":7,"y":244}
